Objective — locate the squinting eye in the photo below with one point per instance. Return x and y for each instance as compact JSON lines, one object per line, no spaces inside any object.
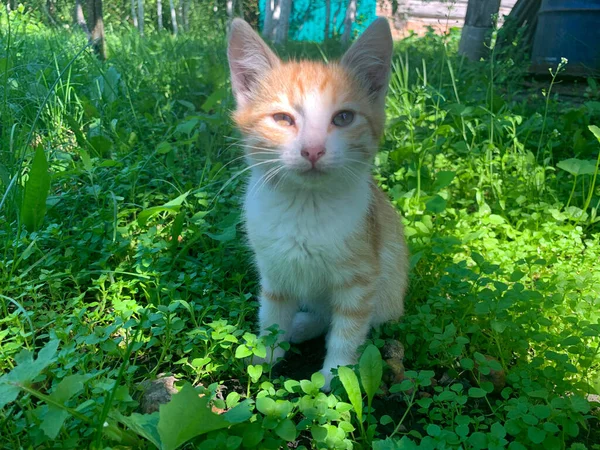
{"x":284,"y":120}
{"x":343,"y":118}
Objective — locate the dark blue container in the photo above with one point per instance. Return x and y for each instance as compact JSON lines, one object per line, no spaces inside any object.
{"x":569,"y":29}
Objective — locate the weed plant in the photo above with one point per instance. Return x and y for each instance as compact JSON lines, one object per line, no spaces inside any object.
{"x":122,"y":256}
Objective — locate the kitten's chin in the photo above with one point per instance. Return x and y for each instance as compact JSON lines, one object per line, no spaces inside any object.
{"x":314,"y":178}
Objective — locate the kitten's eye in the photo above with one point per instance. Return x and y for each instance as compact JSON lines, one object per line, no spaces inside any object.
{"x":284,"y":120}
{"x":343,"y":118}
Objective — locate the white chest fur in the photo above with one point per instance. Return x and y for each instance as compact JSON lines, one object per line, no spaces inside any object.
{"x":300,"y":237}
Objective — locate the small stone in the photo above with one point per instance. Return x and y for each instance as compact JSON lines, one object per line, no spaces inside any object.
{"x":393,"y":350}
{"x":396,"y":372}
{"x":156,"y":392}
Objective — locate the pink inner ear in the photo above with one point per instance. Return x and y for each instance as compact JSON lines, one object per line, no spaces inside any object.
{"x":249,"y":60}
{"x":370,"y":57}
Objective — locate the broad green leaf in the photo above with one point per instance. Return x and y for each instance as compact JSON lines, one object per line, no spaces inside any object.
{"x":242,"y":352}
{"x":318,"y":380}
{"x":172,"y":206}
{"x":163,"y":147}
{"x":436,"y":204}
{"x":213,"y":99}
{"x":385,"y":420}
{"x":101,"y":145}
{"x":498,"y":430}
{"x":144,"y":425}
{"x":187,"y":126}
{"x":536,"y":435}
{"x":37,"y":187}
{"x":86,"y":160}
{"x":578,"y":167}
{"x":55,"y":417}
{"x":443,"y":179}
{"x":540,"y":393}
{"x":186,"y":416}
{"x":255,"y":372}
{"x":266,"y":406}
{"x":240,"y":413}
{"x":541,"y":411}
{"x":286,"y":430}
{"x":253,"y":434}
{"x":228,"y":227}
{"x":53,"y":421}
{"x":370,"y":368}
{"x":433,"y":430}
{"x":595,"y":131}
{"x":26,"y":370}
{"x":477,"y":392}
{"x":8,"y":392}
{"x":319,"y":433}
{"x":350,"y":382}
{"x":290,"y":385}
{"x":478,"y":440}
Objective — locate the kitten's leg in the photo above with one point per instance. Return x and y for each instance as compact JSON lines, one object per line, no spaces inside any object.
{"x":276,"y":308}
{"x":350,"y":324}
{"x":308,"y":325}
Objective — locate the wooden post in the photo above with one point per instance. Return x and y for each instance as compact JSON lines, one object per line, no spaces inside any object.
{"x":478,"y":28}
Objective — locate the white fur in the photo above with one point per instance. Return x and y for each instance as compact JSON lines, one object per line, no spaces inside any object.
{"x":300,"y":240}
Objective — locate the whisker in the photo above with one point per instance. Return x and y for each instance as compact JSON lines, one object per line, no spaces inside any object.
{"x":238,"y":174}
{"x":265,"y":178}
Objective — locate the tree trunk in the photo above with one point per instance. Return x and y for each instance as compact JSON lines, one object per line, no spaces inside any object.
{"x":327,"y":19}
{"x":349,"y":21}
{"x":50,"y":10}
{"x":283,"y":22}
{"x":230,"y":6}
{"x":134,"y":14}
{"x":268,"y":22}
{"x":79,"y":19}
{"x":173,"y":17}
{"x":141,"y":17}
{"x":475,"y":35}
{"x":98,"y":38}
{"x":159,"y":14}
{"x":185,"y":14}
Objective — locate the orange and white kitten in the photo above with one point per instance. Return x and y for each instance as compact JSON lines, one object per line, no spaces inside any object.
{"x":329,"y":246}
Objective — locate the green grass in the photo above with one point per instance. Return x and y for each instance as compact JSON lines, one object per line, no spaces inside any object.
{"x":138,"y":266}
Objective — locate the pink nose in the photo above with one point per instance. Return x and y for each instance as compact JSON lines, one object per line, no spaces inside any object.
{"x":313,"y":154}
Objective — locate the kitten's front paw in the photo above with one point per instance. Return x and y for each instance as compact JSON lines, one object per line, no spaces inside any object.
{"x":328,"y":377}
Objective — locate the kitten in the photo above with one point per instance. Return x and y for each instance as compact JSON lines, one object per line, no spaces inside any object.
{"x":329,"y":246}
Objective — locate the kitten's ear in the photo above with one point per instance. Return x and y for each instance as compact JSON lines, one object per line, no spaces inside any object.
{"x":249,"y":59}
{"x":370,"y":58}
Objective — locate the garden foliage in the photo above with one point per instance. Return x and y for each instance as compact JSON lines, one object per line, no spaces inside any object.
{"x":122,"y":256}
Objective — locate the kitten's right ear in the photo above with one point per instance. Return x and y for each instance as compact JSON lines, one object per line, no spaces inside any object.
{"x":249,"y":59}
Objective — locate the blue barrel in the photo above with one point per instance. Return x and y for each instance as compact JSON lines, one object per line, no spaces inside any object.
{"x":569,"y":29}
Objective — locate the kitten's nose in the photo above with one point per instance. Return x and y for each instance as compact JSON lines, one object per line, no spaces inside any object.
{"x":313,"y":154}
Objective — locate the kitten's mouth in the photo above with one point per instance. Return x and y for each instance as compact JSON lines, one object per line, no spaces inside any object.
{"x":313,"y":171}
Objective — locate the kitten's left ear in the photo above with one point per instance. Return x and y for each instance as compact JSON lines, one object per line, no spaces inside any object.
{"x":370,"y":58}
{"x":249,"y":60}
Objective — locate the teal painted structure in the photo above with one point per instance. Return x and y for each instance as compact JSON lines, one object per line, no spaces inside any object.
{"x":307,"y":19}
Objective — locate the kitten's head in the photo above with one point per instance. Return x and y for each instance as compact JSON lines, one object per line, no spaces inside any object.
{"x":306,"y":122}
